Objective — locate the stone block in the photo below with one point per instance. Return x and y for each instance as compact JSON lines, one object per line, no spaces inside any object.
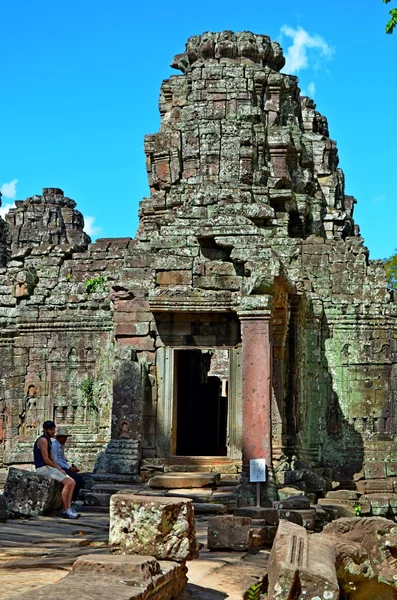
{"x":122,"y":577}
{"x":97,"y":499}
{"x":379,"y":504}
{"x":293,"y":516}
{"x":391,"y":469}
{"x":174,"y":278}
{"x":268,"y":515}
{"x":340,"y":508}
{"x":229,"y":532}
{"x":393,"y":504}
{"x":288,"y":477}
{"x":293,"y":502}
{"x":30,"y":494}
{"x":208,"y":508}
{"x":139,"y":568}
{"x":155,"y":526}
{"x":375,"y":470}
{"x":375,"y":486}
{"x":343,"y":494}
{"x":3,"y":509}
{"x":286,"y":492}
{"x":184,"y":480}
{"x":301,"y":566}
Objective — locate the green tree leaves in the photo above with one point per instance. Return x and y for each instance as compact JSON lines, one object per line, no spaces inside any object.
{"x":392,"y":24}
{"x":391,"y":270}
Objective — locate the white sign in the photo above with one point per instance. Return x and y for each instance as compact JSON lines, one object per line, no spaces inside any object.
{"x":257,"y":469}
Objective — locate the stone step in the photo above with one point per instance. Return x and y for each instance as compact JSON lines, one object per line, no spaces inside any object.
{"x":96,"y":499}
{"x":113,"y":478}
{"x":116,"y":488}
{"x":184,"y":480}
{"x":206,"y":508}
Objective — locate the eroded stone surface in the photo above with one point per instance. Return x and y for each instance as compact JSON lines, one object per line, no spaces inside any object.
{"x":301,"y":566}
{"x":123,"y":578}
{"x":30,"y":494}
{"x":365,"y":556}
{"x":184,"y":480}
{"x":228,"y":532}
{"x":155,"y":526}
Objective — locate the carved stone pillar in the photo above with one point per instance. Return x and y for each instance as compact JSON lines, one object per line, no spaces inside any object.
{"x":256,"y":387}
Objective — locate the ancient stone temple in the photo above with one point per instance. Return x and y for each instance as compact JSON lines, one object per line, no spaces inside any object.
{"x":245,"y":320}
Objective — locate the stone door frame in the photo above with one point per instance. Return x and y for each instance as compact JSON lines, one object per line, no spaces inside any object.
{"x":167,"y":410}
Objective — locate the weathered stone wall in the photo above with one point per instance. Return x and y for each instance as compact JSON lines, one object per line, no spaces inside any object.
{"x":247,"y":218}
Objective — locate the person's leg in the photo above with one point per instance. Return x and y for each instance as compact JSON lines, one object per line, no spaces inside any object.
{"x":79,"y":483}
{"x":68,"y":485}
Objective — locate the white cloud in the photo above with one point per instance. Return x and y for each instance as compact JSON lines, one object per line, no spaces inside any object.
{"x":90,"y":228}
{"x":9,"y":190}
{"x":5,"y":208}
{"x":297,"y":55}
{"x":311,"y":88}
{"x":379,"y":198}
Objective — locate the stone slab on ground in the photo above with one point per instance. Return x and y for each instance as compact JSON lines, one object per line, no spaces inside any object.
{"x":85,"y":584}
{"x":139,"y":568}
{"x":299,"y":567}
{"x":155,"y":526}
{"x":30,"y":494}
{"x":184,"y":480}
{"x":234,"y":533}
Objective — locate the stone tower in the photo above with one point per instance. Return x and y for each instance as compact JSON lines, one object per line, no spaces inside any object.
{"x":245,"y":320}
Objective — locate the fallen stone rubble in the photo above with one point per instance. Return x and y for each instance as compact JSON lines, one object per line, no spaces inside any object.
{"x":122,"y":577}
{"x":158,"y":526}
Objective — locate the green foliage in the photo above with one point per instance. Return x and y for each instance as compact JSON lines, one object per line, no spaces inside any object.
{"x":390,"y":265}
{"x":69,"y":277}
{"x":392,"y":23}
{"x":87,"y":392}
{"x":357,"y":510}
{"x":254,"y":591}
{"x":93,"y":284}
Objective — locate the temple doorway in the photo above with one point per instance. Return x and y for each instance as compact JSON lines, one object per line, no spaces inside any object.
{"x":201,"y":401}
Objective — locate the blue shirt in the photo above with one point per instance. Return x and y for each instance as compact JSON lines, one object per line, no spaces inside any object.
{"x":58,"y":455}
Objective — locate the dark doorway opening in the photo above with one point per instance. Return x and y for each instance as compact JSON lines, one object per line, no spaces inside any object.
{"x":201,"y":402}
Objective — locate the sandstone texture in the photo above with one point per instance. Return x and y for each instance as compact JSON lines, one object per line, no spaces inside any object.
{"x":366,"y":551}
{"x":247,"y":270}
{"x":125,"y":578}
{"x":301,"y":566}
{"x":155,"y":526}
{"x":228,"y":532}
{"x":184,"y":480}
{"x":30,"y":494}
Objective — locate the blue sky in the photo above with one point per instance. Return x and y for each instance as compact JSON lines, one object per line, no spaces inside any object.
{"x":81,"y":79}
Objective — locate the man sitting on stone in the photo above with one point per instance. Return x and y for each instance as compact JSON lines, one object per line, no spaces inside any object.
{"x":46,"y":467}
{"x":58,"y":454}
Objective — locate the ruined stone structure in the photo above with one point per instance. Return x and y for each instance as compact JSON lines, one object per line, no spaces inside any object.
{"x":244,"y":320}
